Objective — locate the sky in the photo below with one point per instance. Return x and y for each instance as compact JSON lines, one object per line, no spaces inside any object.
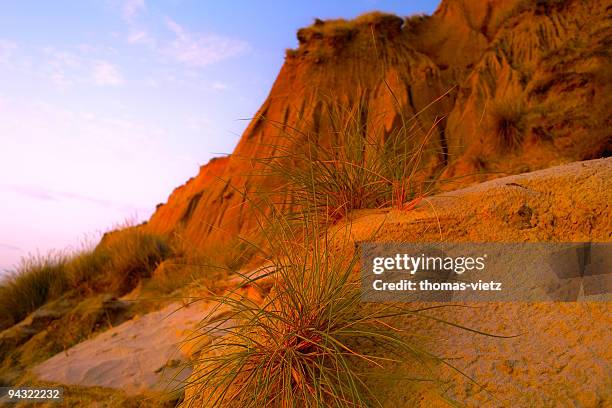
{"x":107,"y":105}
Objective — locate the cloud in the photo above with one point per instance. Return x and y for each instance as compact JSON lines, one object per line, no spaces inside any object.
{"x":197,"y":50}
{"x":139,"y":37}
{"x":83,"y":64}
{"x":7,"y":49}
{"x":10,"y":247}
{"x":218,"y":86}
{"x":106,"y":74}
{"x":36,"y":193}
{"x":131,"y":8}
{"x":46,"y":194}
{"x":60,"y":58}
{"x":62,"y":65}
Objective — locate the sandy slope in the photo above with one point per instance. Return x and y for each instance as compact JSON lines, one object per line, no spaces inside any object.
{"x":562,"y":356}
{"x":142,"y":354}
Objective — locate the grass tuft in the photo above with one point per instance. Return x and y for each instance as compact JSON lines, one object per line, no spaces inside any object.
{"x":338,"y":32}
{"x":133,"y":254}
{"x":292,"y":350}
{"x":360,"y":168}
{"x":509,"y":119}
{"x":118,"y":262}
{"x":36,"y":280}
{"x":116,"y":265}
{"x":310,"y":342}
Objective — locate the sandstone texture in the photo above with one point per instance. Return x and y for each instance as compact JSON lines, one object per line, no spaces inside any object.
{"x":489,"y":87}
{"x":561,"y":356}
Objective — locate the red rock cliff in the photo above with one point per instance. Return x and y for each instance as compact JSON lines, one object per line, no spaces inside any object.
{"x":516,"y":86}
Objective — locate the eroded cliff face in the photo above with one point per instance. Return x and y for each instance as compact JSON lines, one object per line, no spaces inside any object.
{"x":512,"y":86}
{"x":540,"y":93}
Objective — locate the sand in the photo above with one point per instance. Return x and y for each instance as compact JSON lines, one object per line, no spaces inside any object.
{"x":561,"y":358}
{"x":143,"y":354}
{"x":562,"y":355}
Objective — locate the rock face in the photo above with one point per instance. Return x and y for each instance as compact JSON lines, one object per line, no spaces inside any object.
{"x":512,"y":86}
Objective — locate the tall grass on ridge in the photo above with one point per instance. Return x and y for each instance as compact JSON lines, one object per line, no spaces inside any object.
{"x":36,"y":280}
{"x":118,"y":262}
{"x":125,"y":256}
{"x":116,"y":265}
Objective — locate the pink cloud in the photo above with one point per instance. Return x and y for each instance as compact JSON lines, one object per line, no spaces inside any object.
{"x":198,"y":50}
{"x":106,"y":74}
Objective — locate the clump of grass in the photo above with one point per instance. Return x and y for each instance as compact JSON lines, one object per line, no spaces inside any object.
{"x":290,"y":351}
{"x":85,"y":267}
{"x":360,"y":168}
{"x":35,"y":281}
{"x":303,"y":346}
{"x":337,"y":32}
{"x":127,"y":256}
{"x":509,"y":121}
{"x":116,"y":265}
{"x":340,"y":30}
{"x":121,"y":259}
{"x":205,"y":267}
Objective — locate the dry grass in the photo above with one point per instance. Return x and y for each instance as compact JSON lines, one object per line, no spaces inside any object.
{"x":36,"y":280}
{"x":310,"y":342}
{"x":116,"y":266}
{"x":119,"y":262}
{"x":133,"y":254}
{"x":292,"y":350}
{"x":362,"y":168}
{"x":509,"y":121}
{"x":338,"y":33}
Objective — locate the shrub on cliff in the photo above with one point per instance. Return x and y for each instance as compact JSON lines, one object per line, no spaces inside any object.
{"x":509,"y":122}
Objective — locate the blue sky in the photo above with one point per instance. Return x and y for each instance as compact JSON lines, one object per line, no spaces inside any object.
{"x":107,"y":105}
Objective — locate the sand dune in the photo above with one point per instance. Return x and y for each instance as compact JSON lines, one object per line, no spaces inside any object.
{"x":143,"y":354}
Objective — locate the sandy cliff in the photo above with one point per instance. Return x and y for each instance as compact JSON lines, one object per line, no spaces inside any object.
{"x":514,"y":86}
